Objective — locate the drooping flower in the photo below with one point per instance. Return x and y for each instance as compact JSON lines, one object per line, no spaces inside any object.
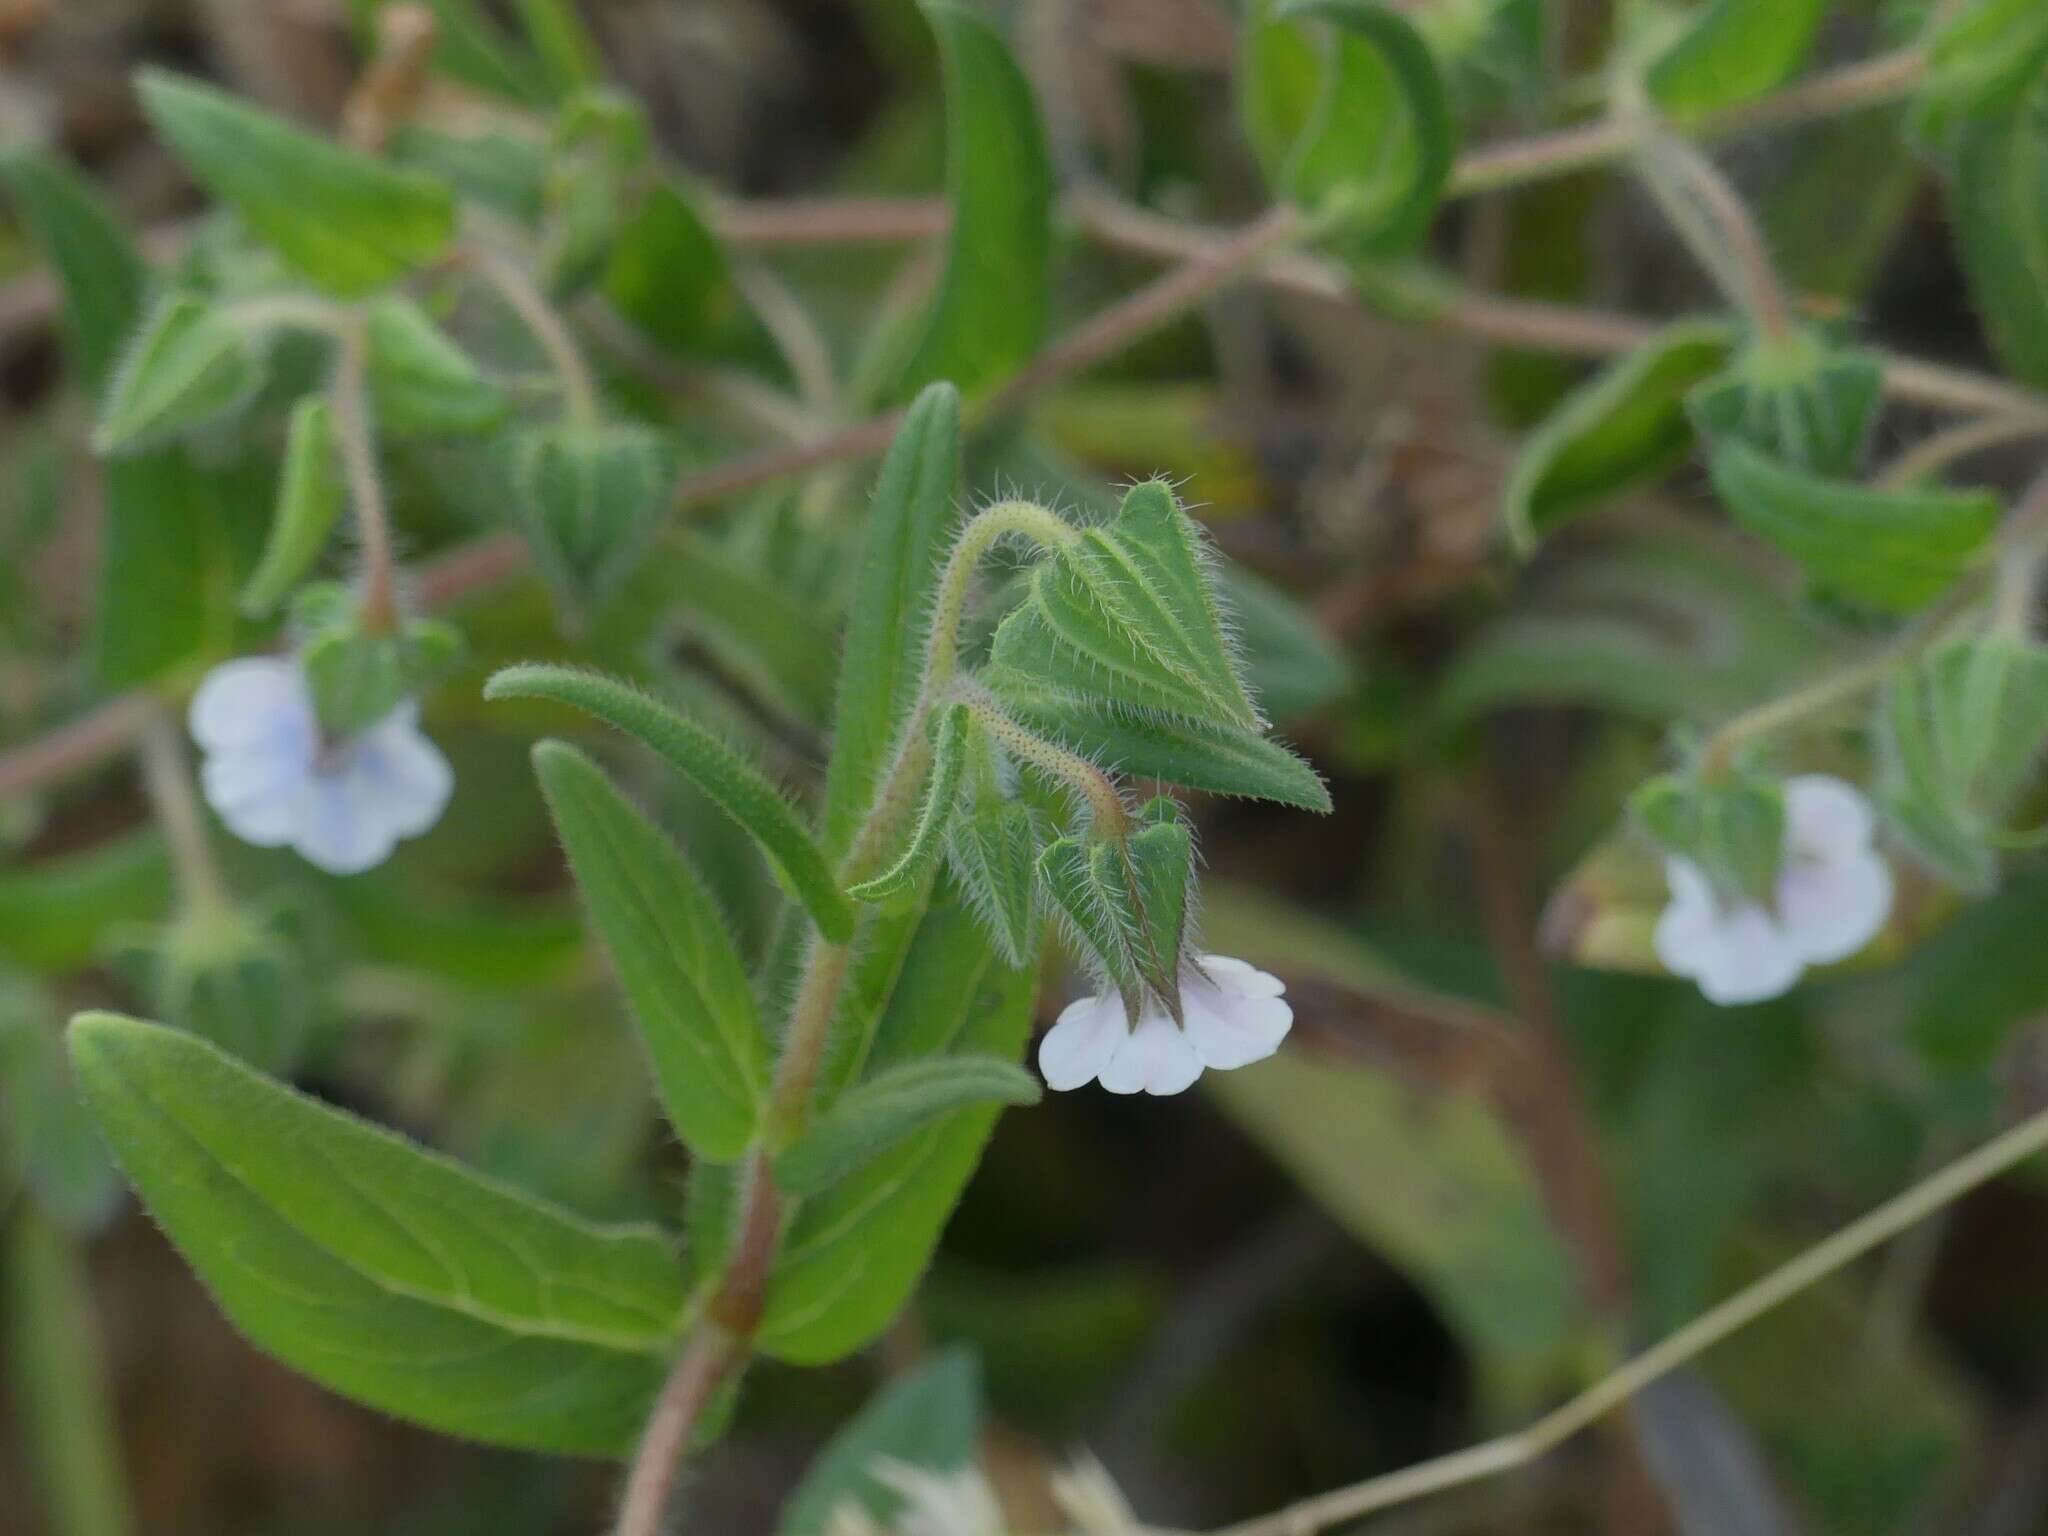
{"x":1232,"y":1014}
{"x":1833,"y":893}
{"x":274,"y":780}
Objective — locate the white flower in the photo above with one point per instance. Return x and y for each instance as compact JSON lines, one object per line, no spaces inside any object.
{"x":274,"y":781}
{"x":1232,"y":1015}
{"x":958,"y":1503}
{"x":1833,"y":894}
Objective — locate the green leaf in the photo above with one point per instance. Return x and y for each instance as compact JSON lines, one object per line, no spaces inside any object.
{"x":385,"y":1272}
{"x":1799,"y":399}
{"x":994,"y":298}
{"x":1219,"y":759}
{"x":341,"y":219}
{"x":930,"y":1419}
{"x":737,"y":787}
{"x":769,"y":635}
{"x":1159,"y":871}
{"x":567,"y":53}
{"x":422,"y":383}
{"x":1979,"y":59}
{"x":57,"y":1381}
{"x":854,"y":1254}
{"x":590,"y":497}
{"x":993,"y":854}
{"x":871,"y":1117}
{"x":469,"y":46}
{"x":668,"y":275}
{"x":53,"y":911}
{"x":1999,"y":202}
{"x":1356,"y":125}
{"x":674,"y":957}
{"x":896,"y":580}
{"x":188,"y":365}
{"x":1127,"y":613}
{"x":1733,"y":828}
{"x":1291,"y":666}
{"x":96,"y":263}
{"x":1624,"y":428}
{"x":1894,"y":550}
{"x":907,"y":875}
{"x":47,"y":1140}
{"x":1733,"y":50}
{"x":309,"y":499}
{"x":1658,"y":629}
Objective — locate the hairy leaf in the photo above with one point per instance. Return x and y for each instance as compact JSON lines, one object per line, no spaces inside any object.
{"x":422,"y":383}
{"x":100,"y":272}
{"x":383,"y":1271}
{"x":737,"y":787}
{"x":670,"y":277}
{"x":993,"y":854}
{"x":920,"y":856}
{"x":673,"y":954}
{"x":345,"y":221}
{"x":873,"y":1116}
{"x":309,"y":499}
{"x":1730,"y":51}
{"x":188,"y":365}
{"x":1999,"y":201}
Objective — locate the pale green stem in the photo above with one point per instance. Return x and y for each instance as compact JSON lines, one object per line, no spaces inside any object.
{"x":525,"y":300}
{"x":1508,"y":1452}
{"x":1718,"y":228}
{"x":167,"y":780}
{"x":1098,"y":789}
{"x":1003,"y":520}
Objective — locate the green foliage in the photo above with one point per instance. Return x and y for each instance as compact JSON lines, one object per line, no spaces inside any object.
{"x":422,"y":383}
{"x":358,"y":672}
{"x":1980,"y":57}
{"x":929,"y":1419}
{"x":673,"y":955}
{"x":1730,"y":51}
{"x":189,"y":365}
{"x":950,"y":729}
{"x":1799,"y":399}
{"x":588,"y":496}
{"x":992,"y":851}
{"x":1355,"y":126}
{"x":896,"y":581}
{"x":1894,"y":550}
{"x":100,"y":273}
{"x":875,"y":1115}
{"x":1999,"y":202}
{"x":1622,"y":429}
{"x":47,"y":1141}
{"x":383,"y":1271}
{"x":1732,"y":827}
{"x":309,"y":500}
{"x":341,"y":219}
{"x":668,"y":275}
{"x":854,"y":1253}
{"x":736,"y":787}
{"x":990,"y":312}
{"x":54,"y":910}
{"x":226,"y":976}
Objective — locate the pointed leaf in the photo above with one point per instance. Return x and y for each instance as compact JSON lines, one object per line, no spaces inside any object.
{"x":422,"y":383}
{"x":309,"y":498}
{"x":1980,"y":57}
{"x":1356,"y":123}
{"x":993,"y":854}
{"x":383,"y":1271}
{"x":342,"y":219}
{"x":668,"y":275}
{"x":469,"y":46}
{"x":1802,"y":400}
{"x":896,"y":581}
{"x":1623,"y":428}
{"x":929,"y":1419}
{"x":941,"y":798}
{"x":675,"y":959}
{"x":990,"y":312}
{"x":1730,"y":51}
{"x":1895,"y":550}
{"x":1088,"y":888}
{"x":96,"y":263}
{"x":1999,"y":202}
{"x":736,"y":786}
{"x":188,"y":365}
{"x":871,"y":1117}
{"x":854,"y":1254}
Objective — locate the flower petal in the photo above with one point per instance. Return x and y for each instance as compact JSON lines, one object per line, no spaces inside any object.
{"x":402,"y":774}
{"x":1737,"y":953}
{"x":1832,"y":908}
{"x":1156,"y":1059}
{"x":1686,"y":928}
{"x":1231,"y":1030}
{"x":338,"y":831}
{"x":1826,"y":816}
{"x":257,"y":793}
{"x":1241,"y":976}
{"x":252,"y":701}
{"x":1082,"y":1041}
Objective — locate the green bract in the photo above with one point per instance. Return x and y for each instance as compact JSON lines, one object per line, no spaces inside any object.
{"x":1732,"y":827}
{"x":588,"y":496}
{"x":309,"y":499}
{"x":189,"y":365}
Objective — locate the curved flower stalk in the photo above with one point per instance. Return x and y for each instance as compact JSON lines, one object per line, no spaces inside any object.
{"x":1832,"y":895}
{"x":1232,"y":1014}
{"x":275,"y":781}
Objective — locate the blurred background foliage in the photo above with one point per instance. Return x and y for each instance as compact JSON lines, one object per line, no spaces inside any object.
{"x":1413,"y":1227}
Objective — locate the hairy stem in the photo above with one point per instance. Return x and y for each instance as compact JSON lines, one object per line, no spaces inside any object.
{"x":167,"y":779}
{"x":704,"y":1363}
{"x":525,"y":300}
{"x":1096,"y":789}
{"x":353,"y":435}
{"x":1504,"y":1454}
{"x":989,"y":527}
{"x":1717,"y":225}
